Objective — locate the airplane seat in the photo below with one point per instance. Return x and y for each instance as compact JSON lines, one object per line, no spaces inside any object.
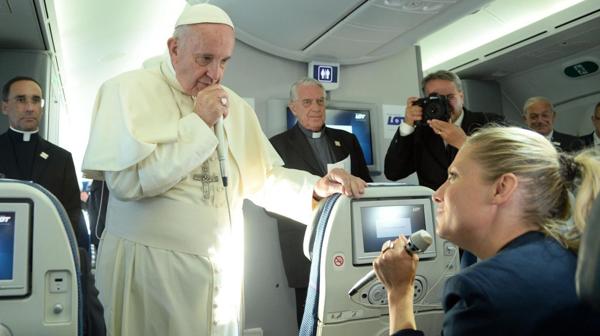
{"x":40,"y":288}
{"x":342,"y":242}
{"x":315,"y":234}
{"x":588,"y":261}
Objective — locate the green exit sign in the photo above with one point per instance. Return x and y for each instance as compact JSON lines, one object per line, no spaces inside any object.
{"x":581,"y":69}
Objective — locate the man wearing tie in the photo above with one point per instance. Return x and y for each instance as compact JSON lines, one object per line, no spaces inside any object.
{"x":593,"y":139}
{"x":310,"y":146}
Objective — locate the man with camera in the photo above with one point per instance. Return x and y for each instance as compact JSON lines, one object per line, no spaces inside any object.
{"x":432,"y":131}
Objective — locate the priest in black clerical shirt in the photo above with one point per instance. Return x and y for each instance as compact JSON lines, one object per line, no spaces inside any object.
{"x":311,"y":146}
{"x":26,"y":156}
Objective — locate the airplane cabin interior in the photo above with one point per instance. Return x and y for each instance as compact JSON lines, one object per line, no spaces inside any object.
{"x":375,"y":54}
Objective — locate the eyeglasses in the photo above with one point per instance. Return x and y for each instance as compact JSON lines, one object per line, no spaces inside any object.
{"x":309,"y":102}
{"x":33,"y":100}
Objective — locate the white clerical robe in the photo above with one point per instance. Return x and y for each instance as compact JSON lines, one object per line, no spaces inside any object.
{"x":170,"y":261}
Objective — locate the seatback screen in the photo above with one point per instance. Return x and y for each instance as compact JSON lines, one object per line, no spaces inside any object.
{"x":15,"y":228}
{"x":7,"y":244}
{"x":381,"y":223}
{"x":376,"y":220}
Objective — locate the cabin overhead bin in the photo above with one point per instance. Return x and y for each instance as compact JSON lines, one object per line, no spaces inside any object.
{"x":28,"y":47}
{"x":534,"y":48}
{"x":512,"y":36}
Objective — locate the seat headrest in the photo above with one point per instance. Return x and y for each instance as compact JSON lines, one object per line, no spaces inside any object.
{"x":587,"y":277}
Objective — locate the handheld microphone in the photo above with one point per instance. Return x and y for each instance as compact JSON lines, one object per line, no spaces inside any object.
{"x":417,"y":243}
{"x":221,"y":149}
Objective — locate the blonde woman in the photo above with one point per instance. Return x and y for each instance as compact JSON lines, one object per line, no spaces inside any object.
{"x":506,"y":200}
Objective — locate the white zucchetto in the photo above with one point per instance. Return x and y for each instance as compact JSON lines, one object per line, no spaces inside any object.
{"x":203,"y":13}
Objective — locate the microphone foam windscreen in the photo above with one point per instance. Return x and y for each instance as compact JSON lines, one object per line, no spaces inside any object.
{"x":421,"y":239}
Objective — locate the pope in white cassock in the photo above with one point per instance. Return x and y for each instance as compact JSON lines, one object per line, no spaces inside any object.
{"x":172,"y":229}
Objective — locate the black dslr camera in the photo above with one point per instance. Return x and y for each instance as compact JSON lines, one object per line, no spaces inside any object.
{"x":434,"y":107}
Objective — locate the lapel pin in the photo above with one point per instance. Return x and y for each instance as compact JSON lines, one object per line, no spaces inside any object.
{"x":337,"y":143}
{"x":44,"y":155}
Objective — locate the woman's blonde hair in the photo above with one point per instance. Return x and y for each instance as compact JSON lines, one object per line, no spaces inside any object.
{"x":545,"y":174}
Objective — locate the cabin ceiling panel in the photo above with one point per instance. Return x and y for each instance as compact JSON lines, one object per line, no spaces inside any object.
{"x":286,"y":24}
{"x":370,"y":29}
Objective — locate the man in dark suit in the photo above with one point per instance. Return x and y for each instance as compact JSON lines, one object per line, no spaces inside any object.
{"x":310,"y":146}
{"x":429,"y":148}
{"x":539,"y":115}
{"x":26,"y":156}
{"x":593,"y":139}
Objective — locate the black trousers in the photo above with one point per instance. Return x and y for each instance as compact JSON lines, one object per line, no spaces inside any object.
{"x":300,"y":303}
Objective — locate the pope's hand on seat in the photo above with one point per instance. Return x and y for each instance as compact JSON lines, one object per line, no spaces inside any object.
{"x":339,"y":181}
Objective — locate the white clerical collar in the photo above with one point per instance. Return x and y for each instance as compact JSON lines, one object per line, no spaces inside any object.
{"x":26,"y":134}
{"x":549,"y":136}
{"x":311,"y":134}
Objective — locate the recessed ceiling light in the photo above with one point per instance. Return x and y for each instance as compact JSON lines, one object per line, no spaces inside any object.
{"x":432,"y":7}
{"x":413,"y":6}
{"x":396,"y":3}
